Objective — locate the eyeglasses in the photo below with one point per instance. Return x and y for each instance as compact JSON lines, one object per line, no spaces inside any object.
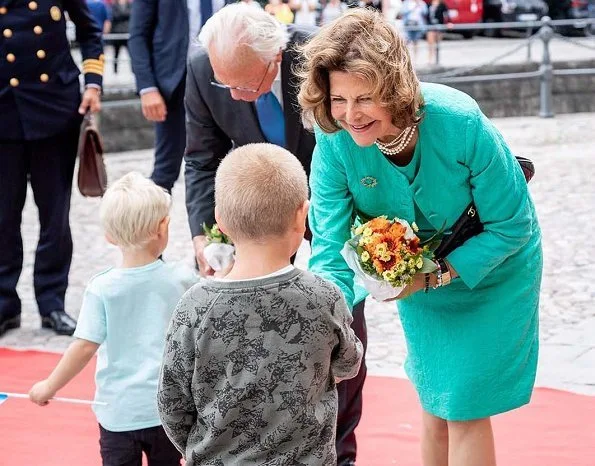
{"x":240,"y":88}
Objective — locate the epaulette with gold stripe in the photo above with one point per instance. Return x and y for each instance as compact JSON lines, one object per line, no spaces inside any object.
{"x":94,"y":65}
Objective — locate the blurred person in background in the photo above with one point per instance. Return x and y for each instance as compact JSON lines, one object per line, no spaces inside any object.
{"x":376,"y":4}
{"x":120,"y":21}
{"x":332,"y":10}
{"x":304,"y":11}
{"x":102,"y":14}
{"x":559,"y":9}
{"x":161,"y":32}
{"x":391,"y":10}
{"x":437,"y":15}
{"x":414,"y":14}
{"x":279,"y":10}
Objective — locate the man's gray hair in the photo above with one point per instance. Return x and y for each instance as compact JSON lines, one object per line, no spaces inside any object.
{"x":240,"y":24}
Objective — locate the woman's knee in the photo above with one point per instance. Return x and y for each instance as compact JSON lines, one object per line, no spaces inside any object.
{"x":435,"y":427}
{"x":464,"y":428}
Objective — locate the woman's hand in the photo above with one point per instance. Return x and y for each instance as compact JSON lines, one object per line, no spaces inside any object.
{"x":418,"y":284}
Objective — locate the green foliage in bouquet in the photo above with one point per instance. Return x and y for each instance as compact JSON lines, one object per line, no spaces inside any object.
{"x":215,"y":235}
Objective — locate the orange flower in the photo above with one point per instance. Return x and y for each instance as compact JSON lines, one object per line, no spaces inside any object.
{"x":379,"y":224}
{"x":397,"y":230}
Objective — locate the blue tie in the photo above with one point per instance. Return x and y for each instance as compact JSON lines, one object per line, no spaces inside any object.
{"x":206,"y":11}
{"x":270,"y":117}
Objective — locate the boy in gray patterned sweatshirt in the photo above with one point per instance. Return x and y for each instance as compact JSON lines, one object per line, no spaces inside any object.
{"x":251,"y":360}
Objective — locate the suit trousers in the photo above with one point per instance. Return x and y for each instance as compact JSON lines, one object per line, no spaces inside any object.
{"x":48,"y":164}
{"x":350,"y":397}
{"x":170,"y":141}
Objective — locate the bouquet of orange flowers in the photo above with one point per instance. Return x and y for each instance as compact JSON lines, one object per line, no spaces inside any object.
{"x":386,"y":254}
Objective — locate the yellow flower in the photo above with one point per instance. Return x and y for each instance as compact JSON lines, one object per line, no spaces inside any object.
{"x":388,"y":275}
{"x":385,"y":257}
{"x":359,"y":230}
{"x":419,"y":263}
{"x":365,"y":240}
{"x":365,"y":257}
{"x":414,"y":227}
{"x":367,"y":231}
{"x":381,"y":249}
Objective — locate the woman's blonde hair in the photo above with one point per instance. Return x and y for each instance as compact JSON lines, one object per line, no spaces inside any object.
{"x":363,"y":43}
{"x":131,"y":210}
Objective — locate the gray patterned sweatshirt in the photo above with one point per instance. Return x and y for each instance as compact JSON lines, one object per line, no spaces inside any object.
{"x":248,"y":375}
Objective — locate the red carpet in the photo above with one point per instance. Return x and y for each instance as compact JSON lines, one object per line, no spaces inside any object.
{"x":556,"y":429}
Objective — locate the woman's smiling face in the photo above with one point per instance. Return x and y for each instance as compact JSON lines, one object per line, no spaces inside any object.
{"x":353,"y":106}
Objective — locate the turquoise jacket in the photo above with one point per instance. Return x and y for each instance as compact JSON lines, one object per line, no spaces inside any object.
{"x":463,"y":159}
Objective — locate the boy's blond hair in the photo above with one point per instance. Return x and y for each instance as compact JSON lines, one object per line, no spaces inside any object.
{"x":258,"y":190}
{"x":131,"y":210}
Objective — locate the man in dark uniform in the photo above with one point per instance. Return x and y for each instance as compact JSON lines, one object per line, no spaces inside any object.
{"x":40,"y":115}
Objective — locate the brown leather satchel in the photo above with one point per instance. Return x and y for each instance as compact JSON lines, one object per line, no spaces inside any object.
{"x":92,"y":177}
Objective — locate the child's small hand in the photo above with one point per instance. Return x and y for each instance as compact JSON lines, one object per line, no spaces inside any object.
{"x":41,"y":393}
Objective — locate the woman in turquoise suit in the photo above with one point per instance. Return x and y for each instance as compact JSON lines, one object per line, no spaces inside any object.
{"x":388,"y":145}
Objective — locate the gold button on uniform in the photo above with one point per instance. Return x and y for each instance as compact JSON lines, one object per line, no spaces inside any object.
{"x":37,"y":30}
{"x":7,"y":33}
{"x":14,"y":82}
{"x":40,"y":54}
{"x":10,"y":58}
{"x":44,"y":78}
{"x":55,"y":13}
{"x":3,"y":10}
{"x":33,"y":6}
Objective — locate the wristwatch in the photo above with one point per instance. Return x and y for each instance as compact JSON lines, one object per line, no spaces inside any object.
{"x":444,"y":272}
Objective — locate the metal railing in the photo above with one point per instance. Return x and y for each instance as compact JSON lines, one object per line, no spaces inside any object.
{"x":546,"y":71}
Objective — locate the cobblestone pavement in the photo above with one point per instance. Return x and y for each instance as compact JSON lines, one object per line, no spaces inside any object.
{"x":564,"y":192}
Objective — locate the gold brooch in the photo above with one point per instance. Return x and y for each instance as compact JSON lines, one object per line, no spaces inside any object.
{"x":369,"y":182}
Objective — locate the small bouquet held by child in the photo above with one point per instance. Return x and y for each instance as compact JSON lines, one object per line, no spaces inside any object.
{"x":386,"y":254}
{"x":220,"y":249}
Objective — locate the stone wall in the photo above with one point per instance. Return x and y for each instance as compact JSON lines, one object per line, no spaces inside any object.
{"x":124,"y":128}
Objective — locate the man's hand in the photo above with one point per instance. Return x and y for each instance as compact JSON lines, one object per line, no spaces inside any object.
{"x":153,"y":106}
{"x":41,"y":393}
{"x":200,"y":243}
{"x":91,"y":101}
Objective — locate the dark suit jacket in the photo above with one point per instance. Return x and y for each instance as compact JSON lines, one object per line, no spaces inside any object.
{"x":215,"y":123}
{"x":39,"y":86}
{"x":158,"y":43}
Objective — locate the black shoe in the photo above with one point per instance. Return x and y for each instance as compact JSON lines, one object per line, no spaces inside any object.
{"x":59,"y":322}
{"x":7,"y":323}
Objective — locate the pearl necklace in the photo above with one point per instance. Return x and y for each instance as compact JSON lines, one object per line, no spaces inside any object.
{"x":398,"y":139}
{"x":401,"y":144}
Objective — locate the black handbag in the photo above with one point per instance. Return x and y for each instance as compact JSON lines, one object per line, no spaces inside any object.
{"x":469,"y":223}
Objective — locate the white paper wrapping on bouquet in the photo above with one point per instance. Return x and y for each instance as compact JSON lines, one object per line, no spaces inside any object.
{"x":380,"y":290}
{"x":219,"y":255}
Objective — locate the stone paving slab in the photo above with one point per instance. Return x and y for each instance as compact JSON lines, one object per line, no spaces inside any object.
{"x":563,"y":151}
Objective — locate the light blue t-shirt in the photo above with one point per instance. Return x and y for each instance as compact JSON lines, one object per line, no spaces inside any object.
{"x":127,"y":311}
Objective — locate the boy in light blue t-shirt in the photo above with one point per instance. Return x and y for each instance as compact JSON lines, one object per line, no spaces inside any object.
{"x":124,"y":318}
